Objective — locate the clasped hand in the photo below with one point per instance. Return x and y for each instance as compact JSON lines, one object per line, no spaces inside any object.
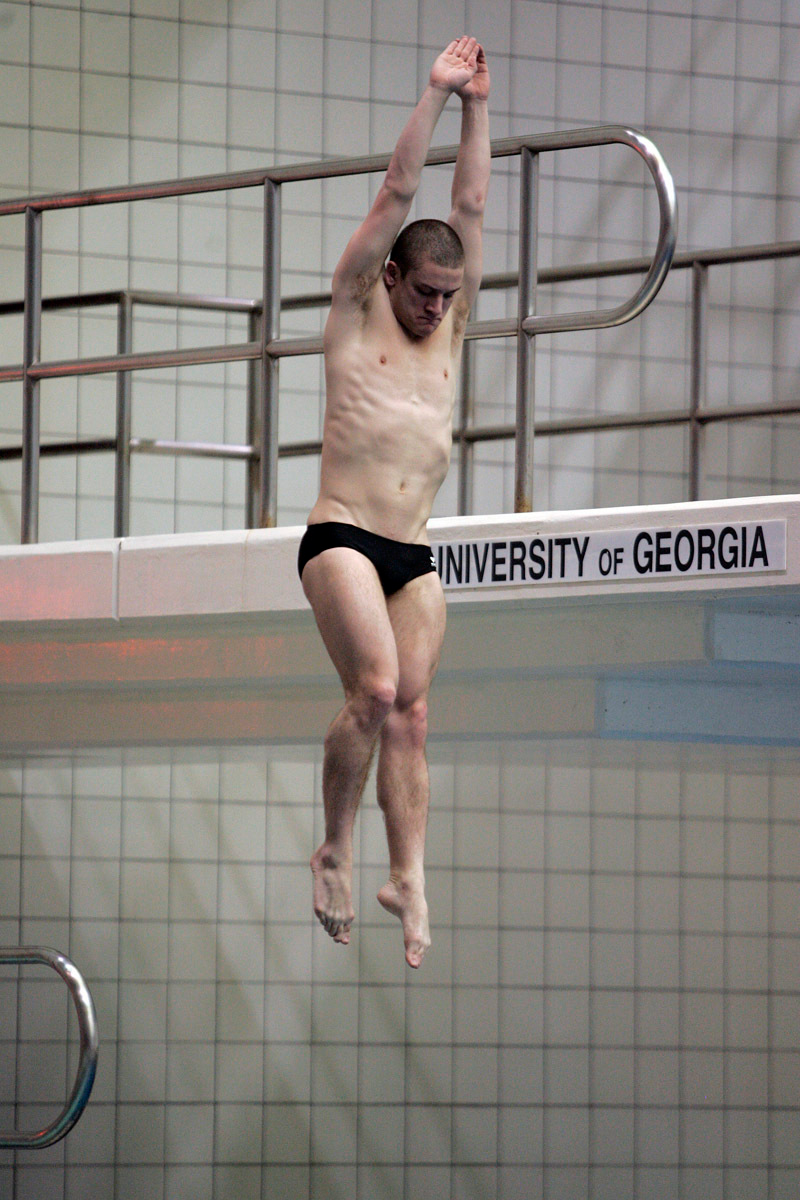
{"x":461,"y":68}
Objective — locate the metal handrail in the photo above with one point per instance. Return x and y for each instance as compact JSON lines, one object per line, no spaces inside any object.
{"x":612,"y":268}
{"x":267,"y":348}
{"x":87,"y":1062}
{"x":501,"y":327}
{"x":328,"y":168}
{"x":696,"y":416}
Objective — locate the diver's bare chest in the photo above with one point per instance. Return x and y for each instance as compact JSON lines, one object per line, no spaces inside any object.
{"x":424,"y":374}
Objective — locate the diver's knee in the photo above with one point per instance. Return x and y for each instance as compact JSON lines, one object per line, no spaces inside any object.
{"x":372,"y":701}
{"x":408,"y":723}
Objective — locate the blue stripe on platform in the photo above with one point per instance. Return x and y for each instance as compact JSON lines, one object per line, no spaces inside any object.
{"x":699,"y":711}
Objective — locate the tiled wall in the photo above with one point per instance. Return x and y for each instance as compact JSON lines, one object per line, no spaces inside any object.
{"x":609,"y":1009}
{"x":96,"y":92}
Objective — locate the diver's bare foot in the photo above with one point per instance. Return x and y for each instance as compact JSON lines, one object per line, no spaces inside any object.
{"x":407,"y":901}
{"x":333,"y":903}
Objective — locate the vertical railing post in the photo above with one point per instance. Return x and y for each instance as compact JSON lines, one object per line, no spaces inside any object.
{"x":122,"y":457}
{"x":270,"y":330}
{"x":31,"y":351}
{"x":253,"y":430}
{"x":526,"y":346}
{"x":466,"y":420}
{"x":697,"y":385}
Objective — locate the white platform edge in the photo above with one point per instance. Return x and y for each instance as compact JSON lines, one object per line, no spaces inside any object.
{"x":254,"y":571}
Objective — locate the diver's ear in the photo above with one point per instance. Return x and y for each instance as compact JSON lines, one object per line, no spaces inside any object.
{"x":391,"y":274}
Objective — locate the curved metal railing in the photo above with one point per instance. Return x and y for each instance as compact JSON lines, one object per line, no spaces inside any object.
{"x":266,"y":347}
{"x":87,"y":1062}
{"x":528,"y":323}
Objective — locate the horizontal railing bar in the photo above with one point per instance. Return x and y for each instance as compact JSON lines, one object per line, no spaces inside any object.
{"x":309,"y":300}
{"x":498,"y":433}
{"x":160,"y":190}
{"x":682,"y":260}
{"x":594,"y":424}
{"x":177,"y":300}
{"x":87,"y":300}
{"x":145,"y":360}
{"x":597,"y":424}
{"x":611,"y":421}
{"x":747,"y":412}
{"x":166,"y":300}
{"x":604,"y":269}
{"x":194,"y":449}
{"x":193,"y":356}
{"x":496,"y":327}
{"x":483,"y":433}
{"x":730,"y":255}
{"x":156,"y":299}
{"x":300,"y":172}
{"x":292,"y":347}
{"x":300,"y":449}
{"x":288,"y":347}
{"x":62,"y":449}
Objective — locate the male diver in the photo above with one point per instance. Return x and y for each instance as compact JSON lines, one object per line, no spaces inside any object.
{"x":392,"y":344}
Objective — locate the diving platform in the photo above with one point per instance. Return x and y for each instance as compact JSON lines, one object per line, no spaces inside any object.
{"x":657,"y":623}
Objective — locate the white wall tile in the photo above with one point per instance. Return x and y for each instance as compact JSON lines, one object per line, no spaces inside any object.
{"x":347,"y":127}
{"x":194,"y":825}
{"x":156,"y":8}
{"x":256,"y":14}
{"x":347,"y":68}
{"x":16,"y":32}
{"x":670,"y":40}
{"x":206,"y":11}
{"x":251,"y":119}
{"x":55,"y":36}
{"x":347,"y":18}
{"x":566,"y":1136}
{"x":440,"y":22}
{"x":154,"y":108}
{"x":105,"y":104}
{"x":203,"y":53}
{"x":55,"y":98}
{"x":251,"y":60}
{"x":203,"y":112}
{"x":395,"y":22}
{"x":713,"y":47}
{"x":305,"y":16}
{"x":105,"y":43}
{"x":299,"y":63}
{"x":298,"y":125}
{"x":154,"y":48}
{"x":189,"y":1132}
{"x":429,"y":1134}
{"x":54,"y":160}
{"x":625,"y":38}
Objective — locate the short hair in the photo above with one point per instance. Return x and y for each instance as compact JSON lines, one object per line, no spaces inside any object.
{"x":428,"y":238}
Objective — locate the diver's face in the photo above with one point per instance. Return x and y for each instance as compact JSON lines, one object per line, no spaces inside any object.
{"x":421,"y":298}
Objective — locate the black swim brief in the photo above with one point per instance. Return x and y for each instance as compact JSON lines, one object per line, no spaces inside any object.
{"x":397,"y":563}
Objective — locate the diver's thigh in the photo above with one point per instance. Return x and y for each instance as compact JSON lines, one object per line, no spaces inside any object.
{"x":418,"y":617}
{"x":344,"y":591}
